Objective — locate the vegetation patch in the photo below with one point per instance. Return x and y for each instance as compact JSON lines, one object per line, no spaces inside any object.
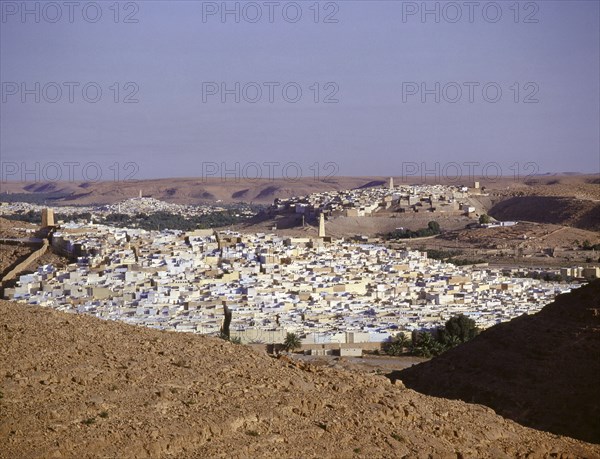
{"x":457,"y":330}
{"x":433,"y":229}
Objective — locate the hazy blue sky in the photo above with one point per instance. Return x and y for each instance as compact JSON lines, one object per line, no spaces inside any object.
{"x":369,"y":55}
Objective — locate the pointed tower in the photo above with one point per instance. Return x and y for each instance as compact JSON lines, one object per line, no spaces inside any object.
{"x":391,"y":183}
{"x":321,"y":225}
{"x":140,"y":195}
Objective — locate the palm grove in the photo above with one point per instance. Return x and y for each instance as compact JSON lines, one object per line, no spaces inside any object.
{"x":457,"y":330}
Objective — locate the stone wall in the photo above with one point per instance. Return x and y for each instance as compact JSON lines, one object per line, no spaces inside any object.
{"x":34,"y":256}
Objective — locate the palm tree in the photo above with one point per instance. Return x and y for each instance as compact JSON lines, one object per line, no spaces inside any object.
{"x":452,"y":341}
{"x":426,"y":345}
{"x":425,"y":339}
{"x":291,"y":342}
{"x":401,"y":340}
{"x":397,"y":344}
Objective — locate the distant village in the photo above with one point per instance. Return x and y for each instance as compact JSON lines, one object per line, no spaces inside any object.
{"x":368,"y":201}
{"x":130,"y":207}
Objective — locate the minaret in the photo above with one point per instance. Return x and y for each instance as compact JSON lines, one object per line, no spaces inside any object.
{"x":391,"y":183}
{"x":47,"y":218}
{"x":321,"y":225}
{"x":140,"y":196}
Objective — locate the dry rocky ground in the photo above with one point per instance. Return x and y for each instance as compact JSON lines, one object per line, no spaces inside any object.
{"x":525,"y":244}
{"x":575,"y":212}
{"x":570,"y":200}
{"x":9,"y":254}
{"x":541,"y":370}
{"x":75,"y":386}
{"x":526,"y":235}
{"x":583,"y":187}
{"x":15,"y":228}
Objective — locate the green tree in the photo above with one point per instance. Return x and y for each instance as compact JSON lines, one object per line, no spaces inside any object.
{"x":458,"y":329}
{"x":451,"y":341}
{"x":484,"y":219}
{"x":291,"y":342}
{"x":397,"y":344}
{"x":434,"y":227}
{"x":426,"y":345}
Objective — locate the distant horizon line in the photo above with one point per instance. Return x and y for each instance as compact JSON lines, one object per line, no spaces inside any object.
{"x":424,"y":177}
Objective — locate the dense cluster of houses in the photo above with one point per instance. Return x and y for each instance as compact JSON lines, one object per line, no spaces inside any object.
{"x":140,"y":205}
{"x":368,"y":201}
{"x":325,"y":290}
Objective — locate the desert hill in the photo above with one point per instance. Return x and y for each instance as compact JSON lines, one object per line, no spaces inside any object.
{"x":76,"y":386}
{"x":183,"y":190}
{"x":584,"y":214}
{"x":570,"y":200}
{"x":542,"y":370}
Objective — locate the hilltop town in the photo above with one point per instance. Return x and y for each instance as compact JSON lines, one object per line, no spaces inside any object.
{"x":370,"y":200}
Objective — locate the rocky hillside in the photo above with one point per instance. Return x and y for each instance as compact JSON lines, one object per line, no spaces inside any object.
{"x":76,"y":386}
{"x":584,"y":214}
{"x":542,"y":370}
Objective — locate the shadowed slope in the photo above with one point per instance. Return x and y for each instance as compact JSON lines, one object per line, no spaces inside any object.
{"x":550,"y":209}
{"x":542,"y":371}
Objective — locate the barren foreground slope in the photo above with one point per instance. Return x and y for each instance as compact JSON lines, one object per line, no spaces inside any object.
{"x":76,"y":386}
{"x":541,"y":370}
